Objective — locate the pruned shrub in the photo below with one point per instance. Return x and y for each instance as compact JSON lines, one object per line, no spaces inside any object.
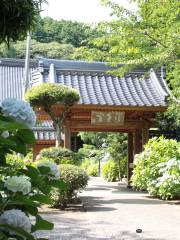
{"x":75,"y":180}
{"x":48,"y":94}
{"x":110,"y":171}
{"x":157,"y":168}
{"x":58,"y":154}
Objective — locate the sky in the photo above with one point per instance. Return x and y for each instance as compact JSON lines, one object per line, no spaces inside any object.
{"x":88,"y":11}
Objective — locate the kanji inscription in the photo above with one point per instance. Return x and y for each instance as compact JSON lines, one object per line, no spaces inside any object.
{"x":112,"y":118}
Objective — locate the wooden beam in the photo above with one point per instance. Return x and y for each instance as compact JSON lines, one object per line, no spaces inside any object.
{"x":119,"y":108}
{"x":85,"y":125}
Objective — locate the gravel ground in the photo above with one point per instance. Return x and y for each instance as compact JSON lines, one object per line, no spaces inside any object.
{"x":111,"y":211}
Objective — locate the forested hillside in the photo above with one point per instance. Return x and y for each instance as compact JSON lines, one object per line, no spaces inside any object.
{"x":53,"y":39}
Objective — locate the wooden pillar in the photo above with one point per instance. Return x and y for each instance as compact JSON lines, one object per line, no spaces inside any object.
{"x":130,"y":157}
{"x":67,"y":137}
{"x":145,"y":136}
{"x":137,"y":141}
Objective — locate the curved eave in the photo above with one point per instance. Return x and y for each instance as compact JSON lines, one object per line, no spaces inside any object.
{"x":90,"y":107}
{"x":120,"y":108}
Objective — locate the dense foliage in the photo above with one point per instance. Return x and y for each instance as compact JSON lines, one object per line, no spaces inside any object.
{"x":22,"y":188}
{"x":148,"y":37}
{"x":46,"y":50}
{"x":93,"y":170}
{"x":110,"y":171}
{"x":117,"y":147}
{"x":94,"y":138}
{"x":52,"y":39}
{"x":75,"y":179}
{"x":57,"y":154}
{"x":48,"y":94}
{"x":63,"y":31}
{"x":16,"y":18}
{"x":157,"y":168}
{"x":113,"y":144}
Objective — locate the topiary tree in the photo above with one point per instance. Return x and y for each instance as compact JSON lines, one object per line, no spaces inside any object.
{"x":48,"y":94}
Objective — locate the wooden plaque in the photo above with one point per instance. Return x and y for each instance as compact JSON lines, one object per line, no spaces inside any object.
{"x":107,"y":118}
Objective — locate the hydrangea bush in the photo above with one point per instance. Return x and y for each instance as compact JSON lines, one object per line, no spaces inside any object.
{"x":157,"y":168}
{"x":19,"y":110}
{"x":18,"y":184}
{"x":53,"y":173}
{"x":24,"y":190}
{"x":16,"y":218}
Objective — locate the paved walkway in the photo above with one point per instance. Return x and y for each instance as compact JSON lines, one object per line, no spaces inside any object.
{"x":114,"y":212}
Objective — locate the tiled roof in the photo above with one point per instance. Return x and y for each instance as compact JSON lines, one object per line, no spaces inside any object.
{"x":97,"y":87}
{"x":94,"y":84}
{"x":11,"y":77}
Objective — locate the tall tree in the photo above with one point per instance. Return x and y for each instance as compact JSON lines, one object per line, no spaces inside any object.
{"x":38,"y":49}
{"x":63,"y":31}
{"x":147,"y":37}
{"x":17,"y":17}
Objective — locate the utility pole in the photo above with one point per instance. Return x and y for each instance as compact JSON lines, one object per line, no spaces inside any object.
{"x":27,"y":59}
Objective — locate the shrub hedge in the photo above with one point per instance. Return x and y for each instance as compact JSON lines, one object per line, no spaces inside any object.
{"x":75,"y":180}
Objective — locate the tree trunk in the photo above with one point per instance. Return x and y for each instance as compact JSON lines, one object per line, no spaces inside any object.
{"x":58,"y":135}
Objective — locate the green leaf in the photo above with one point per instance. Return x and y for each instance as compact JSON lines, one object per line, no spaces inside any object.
{"x":20,"y":232}
{"x":8,"y":124}
{"x":41,"y":198}
{"x":7,"y":141}
{"x":45,"y":188}
{"x":26,"y":135}
{"x":58,"y":184}
{"x":44,"y":170}
{"x":31,"y":210}
{"x":22,"y":200}
{"x":3,"y":236}
{"x":20,"y":146}
{"x":42,"y":224}
{"x":32,"y":172}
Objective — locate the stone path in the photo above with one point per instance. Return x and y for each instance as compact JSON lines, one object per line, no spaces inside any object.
{"x":114,"y":212}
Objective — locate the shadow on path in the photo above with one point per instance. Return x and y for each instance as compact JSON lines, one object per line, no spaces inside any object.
{"x":68,"y":229}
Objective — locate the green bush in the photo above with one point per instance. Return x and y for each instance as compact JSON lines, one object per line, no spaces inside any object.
{"x":75,"y":180}
{"x":157,"y":168}
{"x":92,"y":170}
{"x":58,"y":154}
{"x":110,"y":171}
